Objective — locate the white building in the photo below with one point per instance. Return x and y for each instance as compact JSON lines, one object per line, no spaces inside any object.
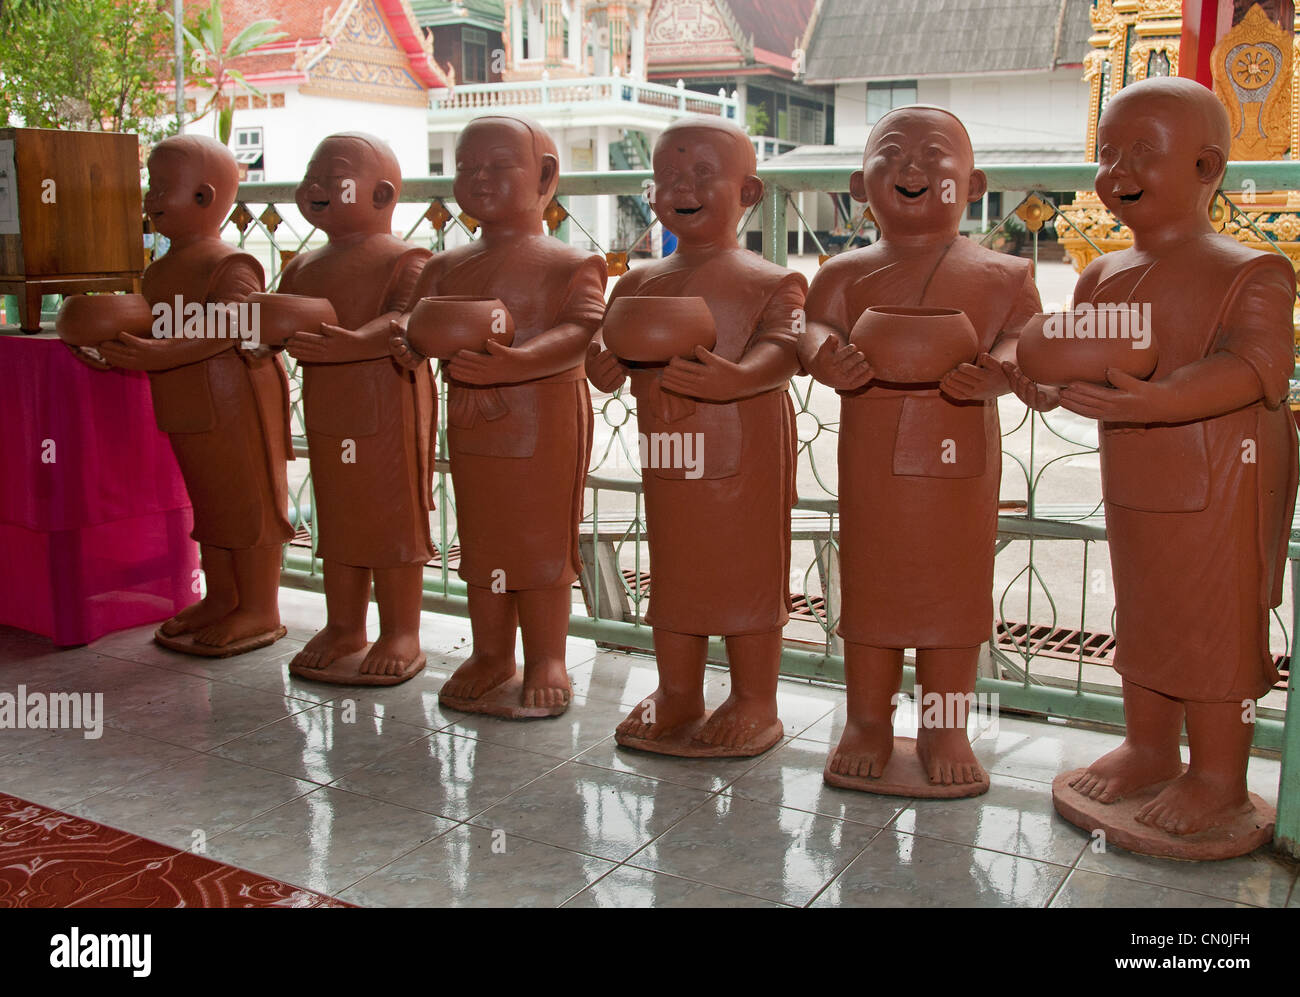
{"x":1011,"y":70}
{"x":355,"y":65}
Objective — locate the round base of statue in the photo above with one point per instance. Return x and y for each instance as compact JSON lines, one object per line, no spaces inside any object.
{"x":683,"y":743}
{"x":505,"y":700}
{"x":1118,"y":821}
{"x":186,"y":644}
{"x":346,"y":670}
{"x":904,"y":775}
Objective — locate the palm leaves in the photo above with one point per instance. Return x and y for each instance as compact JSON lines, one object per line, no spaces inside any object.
{"x":210,"y":55}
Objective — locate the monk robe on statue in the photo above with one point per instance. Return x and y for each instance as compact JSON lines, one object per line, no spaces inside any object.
{"x":224,"y":406}
{"x":518,"y":419}
{"x":1198,"y":472}
{"x":919,"y":464}
{"x":369,"y":422}
{"x":718,"y":528}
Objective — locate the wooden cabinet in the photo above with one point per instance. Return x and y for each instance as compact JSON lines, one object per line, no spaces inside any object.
{"x":70,"y":215}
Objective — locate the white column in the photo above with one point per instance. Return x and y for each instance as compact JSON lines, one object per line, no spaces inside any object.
{"x":516,"y":33}
{"x":636,"y":43}
{"x":607,"y":205}
{"x":576,"y":14}
{"x":536,"y":32}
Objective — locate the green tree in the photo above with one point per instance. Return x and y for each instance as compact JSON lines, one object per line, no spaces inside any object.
{"x":210,"y":56}
{"x":88,"y":64}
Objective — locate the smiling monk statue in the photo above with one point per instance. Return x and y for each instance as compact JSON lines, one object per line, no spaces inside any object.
{"x":719,"y":532}
{"x":519,"y":419}
{"x":919,"y":465}
{"x":1199,"y":475}
{"x":369,"y":422}
{"x":224,"y":406}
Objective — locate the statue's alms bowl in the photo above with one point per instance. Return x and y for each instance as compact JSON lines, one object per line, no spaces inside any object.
{"x":279,"y":316}
{"x":914,"y":345}
{"x":653,"y":330}
{"x":440,"y":327}
{"x":91,"y":319}
{"x":1059,"y":348}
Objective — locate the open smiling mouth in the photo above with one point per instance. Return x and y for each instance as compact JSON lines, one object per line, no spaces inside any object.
{"x":319,"y":205}
{"x":1131,"y":198}
{"x":687,"y":211}
{"x":910,"y":194}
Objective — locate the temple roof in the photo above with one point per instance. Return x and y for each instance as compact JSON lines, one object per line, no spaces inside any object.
{"x":316,"y":29}
{"x":854,"y":40}
{"x":725,"y":34}
{"x":485,"y":13}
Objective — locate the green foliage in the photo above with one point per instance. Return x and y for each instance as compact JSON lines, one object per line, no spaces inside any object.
{"x":88,"y":64}
{"x":756,"y":118}
{"x":208,"y":54}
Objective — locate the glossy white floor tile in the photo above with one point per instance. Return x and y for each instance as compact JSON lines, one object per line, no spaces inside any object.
{"x":380,"y":797}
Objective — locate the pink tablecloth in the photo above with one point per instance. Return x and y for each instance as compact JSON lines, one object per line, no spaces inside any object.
{"x":94,"y":519}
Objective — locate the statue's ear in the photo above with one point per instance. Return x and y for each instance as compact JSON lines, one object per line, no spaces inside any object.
{"x":751,"y":191}
{"x":384,"y":194}
{"x":979,"y":185}
{"x":550,"y":170}
{"x":205,"y":195}
{"x":1210,"y":164}
{"x":858,"y":186}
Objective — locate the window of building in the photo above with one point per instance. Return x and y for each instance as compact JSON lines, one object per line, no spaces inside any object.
{"x":807,"y":123}
{"x":883,"y":97}
{"x":473,"y":56}
{"x":249,"y":154}
{"x":975,"y":210}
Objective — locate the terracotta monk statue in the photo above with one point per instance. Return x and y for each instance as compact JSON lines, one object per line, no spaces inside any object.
{"x":369,"y":422}
{"x":519,"y":419}
{"x":919,"y":464}
{"x":1199,"y":476}
{"x":719,"y":531}
{"x":225,"y":407}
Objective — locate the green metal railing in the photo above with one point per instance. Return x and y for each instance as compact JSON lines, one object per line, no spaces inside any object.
{"x":1057,"y":517}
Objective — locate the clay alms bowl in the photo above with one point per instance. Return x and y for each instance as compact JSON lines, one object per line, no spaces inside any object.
{"x":91,"y":319}
{"x":654,"y":330}
{"x":914,"y":345}
{"x":1059,"y":348}
{"x":440,"y":327}
{"x":279,"y":316}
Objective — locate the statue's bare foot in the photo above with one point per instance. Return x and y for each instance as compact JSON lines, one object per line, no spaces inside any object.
{"x":546,"y":683}
{"x":328,"y":644}
{"x":236,"y":626}
{"x":738,"y":723}
{"x":1194,"y":802}
{"x":864,"y":750}
{"x":479,"y":674}
{"x":391,"y":654}
{"x":1124,"y":771}
{"x":659,"y":713}
{"x":946,"y":756}
{"x":203,"y":613}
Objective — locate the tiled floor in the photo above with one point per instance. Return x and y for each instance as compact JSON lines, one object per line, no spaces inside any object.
{"x":379,"y":797}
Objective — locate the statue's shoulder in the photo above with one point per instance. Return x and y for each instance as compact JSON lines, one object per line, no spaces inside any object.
{"x":1227,"y":253}
{"x":844,"y":268}
{"x":1012,"y":268}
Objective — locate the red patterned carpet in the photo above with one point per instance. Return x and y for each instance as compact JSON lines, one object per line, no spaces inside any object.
{"x":52,"y":859}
